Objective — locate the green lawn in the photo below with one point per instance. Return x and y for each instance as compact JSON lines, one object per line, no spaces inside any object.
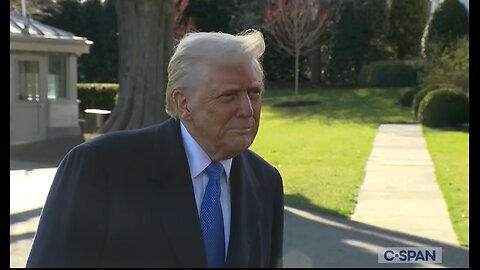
{"x":449,"y":152}
{"x":321,"y":150}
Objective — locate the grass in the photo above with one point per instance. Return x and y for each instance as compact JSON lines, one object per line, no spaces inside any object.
{"x":321,"y":150}
{"x":449,"y":152}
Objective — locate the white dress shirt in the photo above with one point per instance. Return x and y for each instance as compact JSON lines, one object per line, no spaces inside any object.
{"x":198,"y":160}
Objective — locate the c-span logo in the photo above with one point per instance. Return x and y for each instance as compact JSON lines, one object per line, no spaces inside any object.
{"x":410,"y":255}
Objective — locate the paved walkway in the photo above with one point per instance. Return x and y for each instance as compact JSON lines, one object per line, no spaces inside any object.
{"x":29,"y":186}
{"x":399,"y":205}
{"x":388,"y":214}
{"x":400,"y":191}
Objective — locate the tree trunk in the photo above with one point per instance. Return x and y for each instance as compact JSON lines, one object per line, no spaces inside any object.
{"x":315,"y":67}
{"x":145,"y":30}
{"x":297,"y":67}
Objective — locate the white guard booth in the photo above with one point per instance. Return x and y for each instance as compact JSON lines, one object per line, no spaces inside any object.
{"x":43,"y":78}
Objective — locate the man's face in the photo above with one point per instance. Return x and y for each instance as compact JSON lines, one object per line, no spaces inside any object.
{"x":223,"y":114}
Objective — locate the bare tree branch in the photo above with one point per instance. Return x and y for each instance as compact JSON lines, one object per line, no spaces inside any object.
{"x":296,"y":25}
{"x":35,"y":8}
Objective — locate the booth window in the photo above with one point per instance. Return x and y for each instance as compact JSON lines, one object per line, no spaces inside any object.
{"x":57,"y":86}
{"x":28,"y":81}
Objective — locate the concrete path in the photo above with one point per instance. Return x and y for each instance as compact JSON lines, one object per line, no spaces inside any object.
{"x":399,"y":205}
{"x":313,"y":240}
{"x":29,"y":186}
{"x":400,"y":191}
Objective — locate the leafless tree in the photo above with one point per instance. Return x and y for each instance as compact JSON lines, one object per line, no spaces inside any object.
{"x":183,"y":23}
{"x":36,"y":9}
{"x":295,"y":25}
{"x":145,"y":30}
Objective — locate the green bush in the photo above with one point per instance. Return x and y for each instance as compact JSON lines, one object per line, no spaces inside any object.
{"x":422,"y":93}
{"x":444,"y":108}
{"x":96,"y":96}
{"x":450,"y":66}
{"x":388,"y":74}
{"x":406,"y":99}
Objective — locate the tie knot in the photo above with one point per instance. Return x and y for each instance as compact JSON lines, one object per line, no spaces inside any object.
{"x":214,"y":170}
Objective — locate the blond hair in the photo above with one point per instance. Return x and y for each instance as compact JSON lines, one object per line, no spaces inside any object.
{"x":212,"y":49}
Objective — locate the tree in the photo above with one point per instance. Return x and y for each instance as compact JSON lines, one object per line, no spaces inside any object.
{"x":361,"y":38}
{"x":211,"y":15}
{"x":318,"y":60}
{"x":37,"y":9}
{"x":348,"y":48}
{"x":66,"y":17}
{"x":449,"y":23}
{"x":449,"y":67}
{"x":373,"y":18}
{"x":145,"y":44}
{"x":95,"y":20}
{"x":407,"y":22}
{"x":183,"y":23}
{"x":295,"y":26}
{"x":247,"y":14}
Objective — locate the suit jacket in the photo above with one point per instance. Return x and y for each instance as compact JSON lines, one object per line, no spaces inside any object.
{"x":126,"y":199}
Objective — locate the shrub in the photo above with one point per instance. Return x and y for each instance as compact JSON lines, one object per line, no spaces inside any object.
{"x":450,"y":66}
{"x":443,"y":108}
{"x":422,"y":93}
{"x":406,"y":99}
{"x":388,"y":74}
{"x":97,"y":96}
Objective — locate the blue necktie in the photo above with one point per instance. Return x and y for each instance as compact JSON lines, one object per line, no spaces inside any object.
{"x":211,"y":218}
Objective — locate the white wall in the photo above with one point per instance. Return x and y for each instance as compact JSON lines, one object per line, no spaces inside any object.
{"x":63,"y":113}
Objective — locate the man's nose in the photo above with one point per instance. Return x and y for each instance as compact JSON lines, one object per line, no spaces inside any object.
{"x":245,"y":108}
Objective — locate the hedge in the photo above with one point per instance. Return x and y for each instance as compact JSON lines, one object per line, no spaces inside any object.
{"x":406,"y":99}
{"x":97,"y":96}
{"x":388,"y":74}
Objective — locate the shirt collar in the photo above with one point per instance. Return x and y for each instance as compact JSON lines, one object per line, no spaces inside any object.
{"x":198,"y":160}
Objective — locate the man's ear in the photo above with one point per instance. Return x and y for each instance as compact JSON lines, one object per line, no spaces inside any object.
{"x":181,"y":104}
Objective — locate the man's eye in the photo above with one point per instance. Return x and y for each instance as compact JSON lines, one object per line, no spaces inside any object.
{"x":254,"y":94}
{"x":227,"y":96}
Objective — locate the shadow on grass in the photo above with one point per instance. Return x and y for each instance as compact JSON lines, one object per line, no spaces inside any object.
{"x":300,"y":201}
{"x":459,"y":128}
{"x":361,"y":106}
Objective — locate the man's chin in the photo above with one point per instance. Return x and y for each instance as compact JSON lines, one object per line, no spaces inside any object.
{"x":239,"y":145}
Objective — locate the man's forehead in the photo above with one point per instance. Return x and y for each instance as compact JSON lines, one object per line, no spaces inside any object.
{"x":229,"y":85}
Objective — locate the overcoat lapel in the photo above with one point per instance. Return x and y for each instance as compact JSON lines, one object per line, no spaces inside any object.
{"x":245,"y":216}
{"x":176,"y":201}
